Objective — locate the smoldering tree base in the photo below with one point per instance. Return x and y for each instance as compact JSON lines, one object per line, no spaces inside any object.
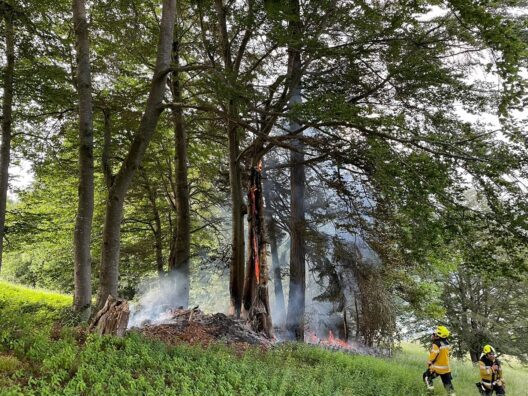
{"x":112,"y":318}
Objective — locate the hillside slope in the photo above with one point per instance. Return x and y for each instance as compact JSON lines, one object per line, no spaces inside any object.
{"x":39,"y":356}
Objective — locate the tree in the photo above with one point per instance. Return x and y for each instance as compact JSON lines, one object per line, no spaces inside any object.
{"x":485,"y":309}
{"x":377,"y":138}
{"x":83,"y":223}
{"x":180,"y":254}
{"x":8,"y":15}
{"x":273,"y":234}
{"x":297,"y":291}
{"x":231,"y":70}
{"x":121,"y":181}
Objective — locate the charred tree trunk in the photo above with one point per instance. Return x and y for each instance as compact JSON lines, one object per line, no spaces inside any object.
{"x":7,"y":121}
{"x":345,"y":324}
{"x":121,"y":181}
{"x":297,"y":292}
{"x":256,"y":298}
{"x":85,"y":208}
{"x":112,"y":319}
{"x":280,"y":306}
{"x":236,"y":270}
{"x":181,"y":244}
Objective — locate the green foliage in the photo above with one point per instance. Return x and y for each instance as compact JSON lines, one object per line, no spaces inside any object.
{"x":133,"y":365}
{"x":32,"y":363}
{"x":385,"y":86}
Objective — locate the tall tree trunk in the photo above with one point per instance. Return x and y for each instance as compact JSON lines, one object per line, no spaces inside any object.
{"x":256,"y":299}
{"x":280,"y":306}
{"x":179,"y":259}
{"x":121,"y":181}
{"x":236,"y":274}
{"x":83,"y":223}
{"x":7,"y":120}
{"x":236,"y":277}
{"x":474,"y":355}
{"x":156,"y":229}
{"x":108,"y":278}
{"x":358,"y":319}
{"x":159,"y":242}
{"x":297,"y":292}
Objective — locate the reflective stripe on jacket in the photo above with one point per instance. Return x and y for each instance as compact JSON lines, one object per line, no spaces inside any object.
{"x":487,"y":376}
{"x":439,"y":357}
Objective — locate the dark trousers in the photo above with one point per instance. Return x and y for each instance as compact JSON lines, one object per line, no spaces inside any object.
{"x":499,"y":390}
{"x":446,"y":380}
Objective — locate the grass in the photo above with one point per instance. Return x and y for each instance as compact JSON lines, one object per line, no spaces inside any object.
{"x":465,"y":375}
{"x":38,"y":359}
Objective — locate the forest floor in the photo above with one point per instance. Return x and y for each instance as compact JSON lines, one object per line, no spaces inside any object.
{"x":42,"y":352}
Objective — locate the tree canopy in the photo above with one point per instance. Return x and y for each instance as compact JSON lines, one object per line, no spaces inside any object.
{"x":390,"y":136}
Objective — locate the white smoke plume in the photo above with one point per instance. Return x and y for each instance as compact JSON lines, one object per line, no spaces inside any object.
{"x":158,"y":295}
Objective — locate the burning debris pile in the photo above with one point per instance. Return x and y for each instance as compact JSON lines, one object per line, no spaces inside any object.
{"x":192,"y":326}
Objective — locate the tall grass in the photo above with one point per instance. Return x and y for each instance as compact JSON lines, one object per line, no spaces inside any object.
{"x":465,"y":375}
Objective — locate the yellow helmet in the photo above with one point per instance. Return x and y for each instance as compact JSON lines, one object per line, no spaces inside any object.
{"x":488,"y":349}
{"x":442,"y":332}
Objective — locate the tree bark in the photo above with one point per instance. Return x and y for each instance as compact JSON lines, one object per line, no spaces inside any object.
{"x":156,"y":229}
{"x":112,"y":319}
{"x":236,"y":278}
{"x":7,"y":121}
{"x":85,"y":208}
{"x":236,"y":274}
{"x":179,"y":259}
{"x":121,"y":182}
{"x":280,"y":306}
{"x":297,"y":292}
{"x":256,"y":298}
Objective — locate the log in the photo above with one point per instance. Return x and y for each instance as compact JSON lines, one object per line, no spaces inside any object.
{"x":112,"y":318}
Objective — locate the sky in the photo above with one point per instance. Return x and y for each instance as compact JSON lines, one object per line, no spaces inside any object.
{"x":20,"y":176}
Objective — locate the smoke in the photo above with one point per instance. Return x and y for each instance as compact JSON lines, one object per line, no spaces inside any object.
{"x":155,"y":296}
{"x":320,"y":316}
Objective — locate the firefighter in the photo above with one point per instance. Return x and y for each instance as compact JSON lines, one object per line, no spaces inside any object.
{"x":490,"y":373}
{"x":438,"y":361}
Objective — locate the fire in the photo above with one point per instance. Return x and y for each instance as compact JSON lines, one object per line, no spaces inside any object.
{"x":330,"y":342}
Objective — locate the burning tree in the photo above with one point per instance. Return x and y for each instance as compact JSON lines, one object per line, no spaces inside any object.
{"x":256,"y":298}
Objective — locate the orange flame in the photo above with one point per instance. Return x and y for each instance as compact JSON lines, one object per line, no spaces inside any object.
{"x":331,"y":341}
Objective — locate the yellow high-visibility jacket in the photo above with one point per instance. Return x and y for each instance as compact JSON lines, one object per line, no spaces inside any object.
{"x":487,"y":376}
{"x":439,"y":357}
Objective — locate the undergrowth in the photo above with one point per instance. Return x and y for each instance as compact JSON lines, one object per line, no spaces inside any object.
{"x":40,"y":357}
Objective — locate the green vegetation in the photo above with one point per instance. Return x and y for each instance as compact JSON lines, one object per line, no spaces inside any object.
{"x":32,"y":362}
{"x":39,"y":358}
{"x":465,"y":375}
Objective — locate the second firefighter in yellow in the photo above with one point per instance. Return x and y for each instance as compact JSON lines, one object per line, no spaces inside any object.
{"x":438,"y":361}
{"x":491,"y":379}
